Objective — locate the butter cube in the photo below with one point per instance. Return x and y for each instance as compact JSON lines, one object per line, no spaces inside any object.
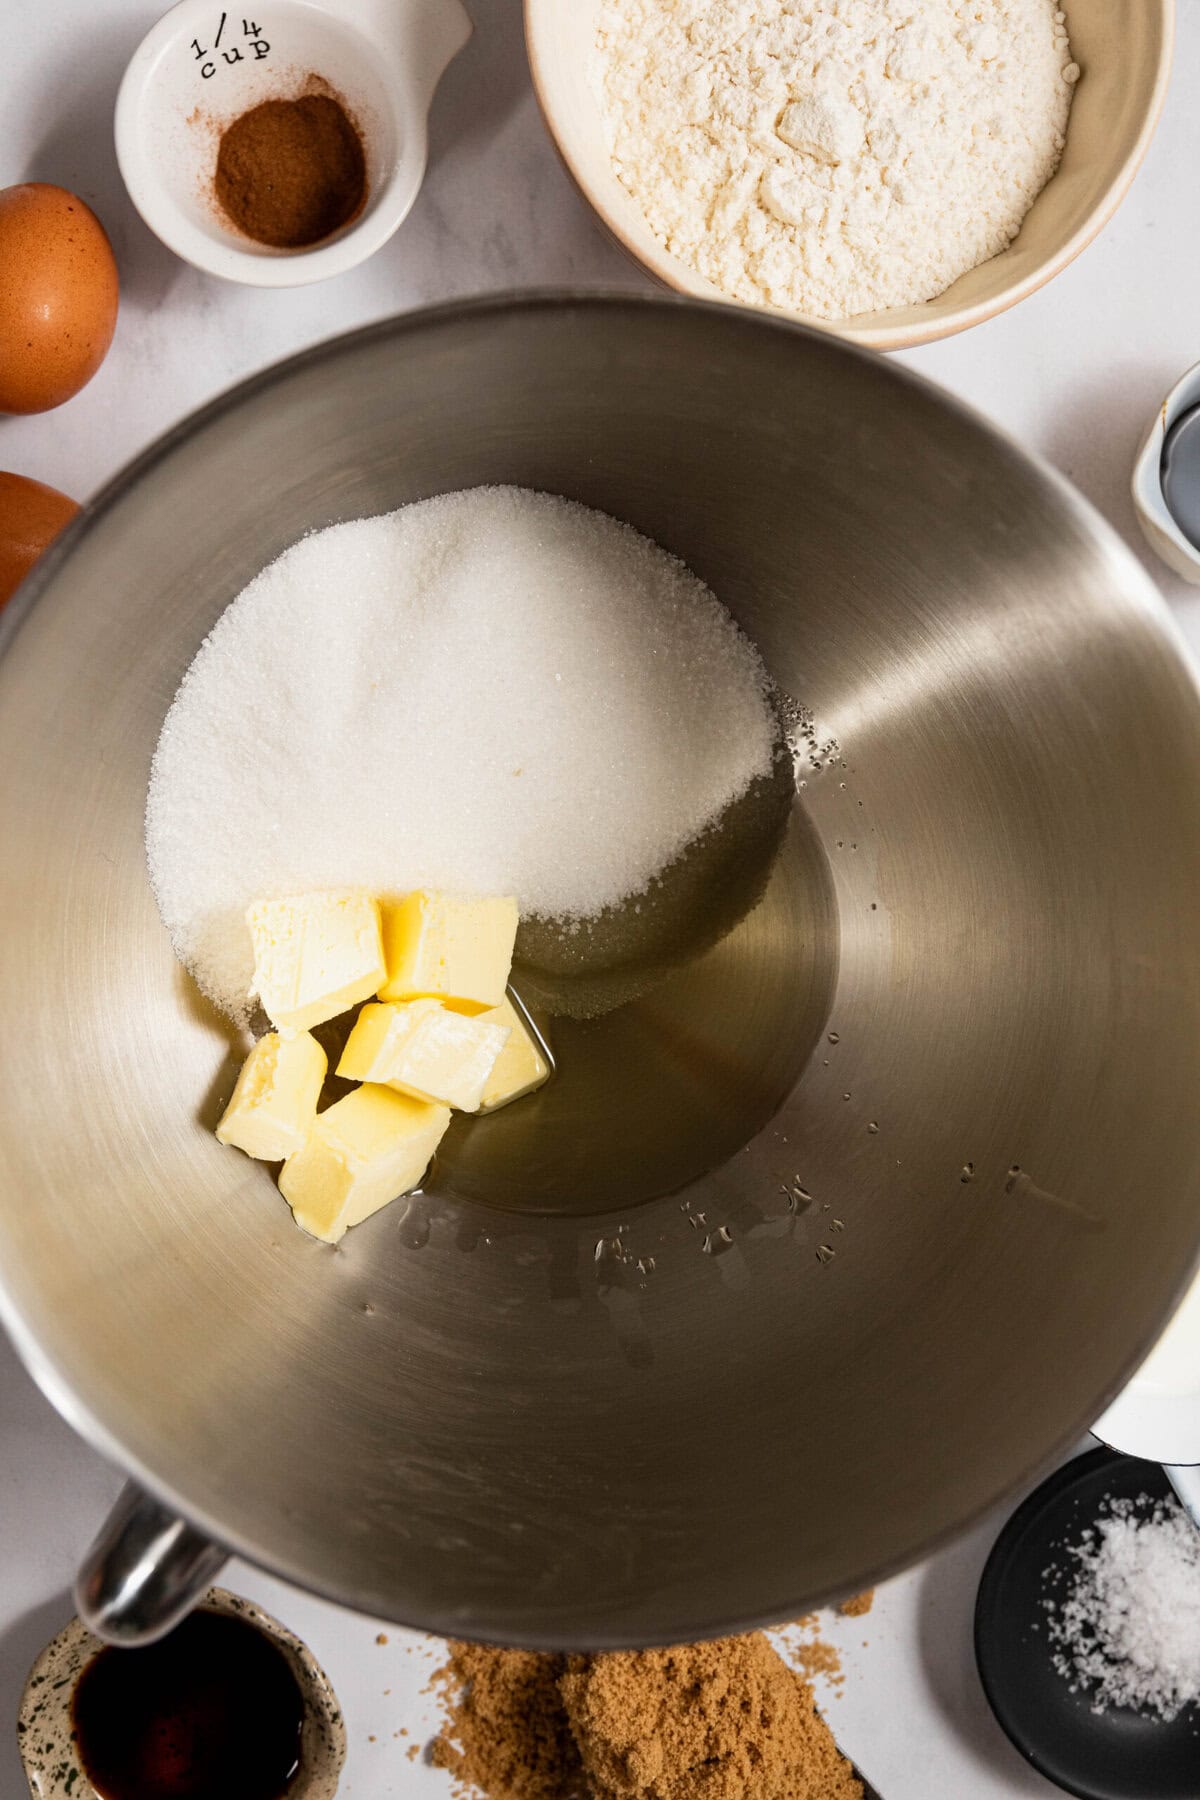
{"x":361,"y":1152}
{"x":274,"y":1102}
{"x":421,"y":1049}
{"x":520,"y":1067}
{"x":447,"y":948}
{"x":314,"y":956}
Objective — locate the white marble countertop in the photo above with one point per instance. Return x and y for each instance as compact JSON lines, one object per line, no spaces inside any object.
{"x":1075,"y":373}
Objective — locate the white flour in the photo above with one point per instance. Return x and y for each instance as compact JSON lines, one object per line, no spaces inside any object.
{"x":834,"y":156}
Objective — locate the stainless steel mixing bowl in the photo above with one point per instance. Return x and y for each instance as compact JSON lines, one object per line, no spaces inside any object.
{"x":932,"y":1103}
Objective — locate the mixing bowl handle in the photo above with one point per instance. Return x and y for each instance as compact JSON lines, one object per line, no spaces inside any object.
{"x":145,"y":1571}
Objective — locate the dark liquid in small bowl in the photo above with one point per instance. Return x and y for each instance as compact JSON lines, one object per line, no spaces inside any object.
{"x":213,"y":1712}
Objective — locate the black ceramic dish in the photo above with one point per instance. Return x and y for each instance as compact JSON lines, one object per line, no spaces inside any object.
{"x":1116,"y":1755}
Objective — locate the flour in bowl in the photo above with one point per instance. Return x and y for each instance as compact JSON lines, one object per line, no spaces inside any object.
{"x":834,"y":157}
{"x":490,"y":692}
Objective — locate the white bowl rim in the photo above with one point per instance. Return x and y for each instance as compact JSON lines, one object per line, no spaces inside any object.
{"x":1154,"y":516}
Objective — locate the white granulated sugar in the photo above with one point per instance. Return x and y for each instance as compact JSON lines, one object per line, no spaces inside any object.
{"x":492,"y":692}
{"x":1128,"y":1632}
{"x":834,"y":157}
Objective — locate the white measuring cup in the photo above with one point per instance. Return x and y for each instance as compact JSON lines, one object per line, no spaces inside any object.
{"x":203,"y":64}
{"x":1157,"y":1416}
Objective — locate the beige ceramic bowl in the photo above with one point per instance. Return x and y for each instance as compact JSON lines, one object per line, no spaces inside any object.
{"x":1124,"y":49}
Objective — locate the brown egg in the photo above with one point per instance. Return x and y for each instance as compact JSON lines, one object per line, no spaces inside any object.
{"x":31,"y":514}
{"x":58,"y":296}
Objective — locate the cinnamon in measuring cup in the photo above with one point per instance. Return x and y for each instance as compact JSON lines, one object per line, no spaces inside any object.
{"x":292,"y":172}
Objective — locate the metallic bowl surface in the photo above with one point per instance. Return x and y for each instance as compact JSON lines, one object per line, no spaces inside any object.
{"x":491,"y":1422}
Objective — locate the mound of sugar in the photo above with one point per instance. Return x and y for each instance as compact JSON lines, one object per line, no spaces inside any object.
{"x":492,"y":692}
{"x":1128,"y":1632}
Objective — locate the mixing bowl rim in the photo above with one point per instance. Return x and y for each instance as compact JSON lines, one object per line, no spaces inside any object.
{"x":553,"y":298}
{"x":674,"y":274}
{"x":1138,"y":592}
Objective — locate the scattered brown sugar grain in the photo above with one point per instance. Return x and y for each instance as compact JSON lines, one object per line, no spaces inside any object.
{"x":858,"y":1604}
{"x":291,"y":172}
{"x":812,"y":1654}
{"x":721,"y":1721}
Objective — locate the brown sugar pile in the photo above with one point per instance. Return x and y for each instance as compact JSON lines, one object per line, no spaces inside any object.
{"x":506,"y":1734}
{"x":720,"y":1721}
{"x":726,"y":1720}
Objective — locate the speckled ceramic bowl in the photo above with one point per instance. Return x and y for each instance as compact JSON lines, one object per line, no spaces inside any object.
{"x":46,"y":1732}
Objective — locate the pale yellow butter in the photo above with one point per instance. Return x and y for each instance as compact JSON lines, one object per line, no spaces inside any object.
{"x":445,"y":948}
{"x":315,"y":955}
{"x":275,"y":1100}
{"x":520,"y":1067}
{"x":422,"y":1049}
{"x":361,"y":1152}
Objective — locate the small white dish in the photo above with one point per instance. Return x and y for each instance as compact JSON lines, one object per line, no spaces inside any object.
{"x":46,"y":1727}
{"x":203,"y":65}
{"x":1159,"y":528}
{"x":1158,"y":1412}
{"x":1157,"y":1416}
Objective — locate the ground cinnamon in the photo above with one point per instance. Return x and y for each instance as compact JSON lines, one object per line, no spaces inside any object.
{"x":291,"y":172}
{"x":726,"y":1720}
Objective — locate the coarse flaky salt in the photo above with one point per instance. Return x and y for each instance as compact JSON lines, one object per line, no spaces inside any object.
{"x":1128,"y":1631}
{"x":493,"y":692}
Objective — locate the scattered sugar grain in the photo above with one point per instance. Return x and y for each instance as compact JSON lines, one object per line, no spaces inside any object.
{"x":355,"y":717}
